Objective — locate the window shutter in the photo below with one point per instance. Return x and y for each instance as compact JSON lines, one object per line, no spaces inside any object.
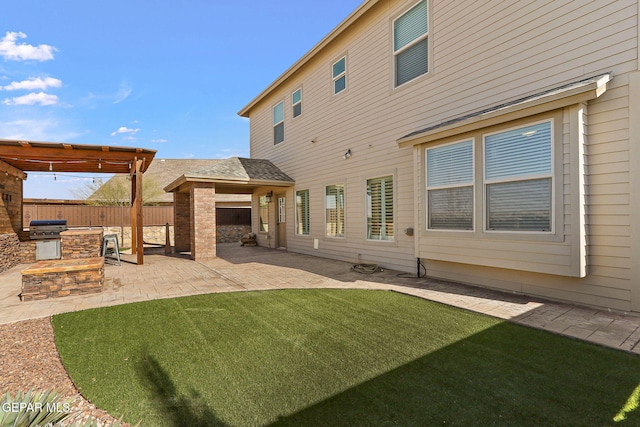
{"x":302,"y":212}
{"x":412,"y":63}
{"x":451,"y":209}
{"x":450,"y":186}
{"x":410,"y":26}
{"x":519,"y":152}
{"x":380,"y":208}
{"x":278,"y":113}
{"x":519,"y":205}
{"x":450,"y":164}
{"x":335,"y":210}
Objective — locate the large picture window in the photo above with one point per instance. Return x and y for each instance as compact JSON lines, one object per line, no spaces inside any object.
{"x":380,"y":208}
{"x":518,"y":176}
{"x":302,"y":212}
{"x":334,"y":206}
{"x":410,"y":44}
{"x":450,"y":186}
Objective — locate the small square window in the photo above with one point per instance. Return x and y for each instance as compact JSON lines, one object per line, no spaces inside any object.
{"x":340,"y":75}
{"x":296,"y":101}
{"x":278,"y":123}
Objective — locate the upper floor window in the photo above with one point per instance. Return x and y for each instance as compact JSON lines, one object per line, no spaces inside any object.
{"x":339,"y":70}
{"x":450,"y":186}
{"x":296,"y":102}
{"x":518,"y":177}
{"x":278,"y":123}
{"x":410,"y":44}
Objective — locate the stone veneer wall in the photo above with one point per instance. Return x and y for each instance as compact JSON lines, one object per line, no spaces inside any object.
{"x":182,"y":221}
{"x":10,"y":220}
{"x":59,"y":278}
{"x":77,"y":244}
{"x":9,"y":251}
{"x":203,"y":220}
{"x":231,"y":233}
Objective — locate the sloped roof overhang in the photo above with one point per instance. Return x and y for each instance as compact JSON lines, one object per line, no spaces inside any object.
{"x":236,"y":175}
{"x":558,"y":97}
{"x":335,"y":33}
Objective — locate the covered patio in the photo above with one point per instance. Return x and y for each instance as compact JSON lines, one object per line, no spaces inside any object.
{"x":194,"y":199}
{"x":18,"y":157}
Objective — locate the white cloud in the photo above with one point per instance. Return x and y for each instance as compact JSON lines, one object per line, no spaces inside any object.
{"x":9,"y":49}
{"x":37,"y":128}
{"x":33,"y":83}
{"x":40,"y":98}
{"x":124,"y":129}
{"x":159,"y":140}
{"x":123,"y":93}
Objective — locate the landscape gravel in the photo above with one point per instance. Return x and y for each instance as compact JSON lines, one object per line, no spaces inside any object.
{"x":29,"y":360}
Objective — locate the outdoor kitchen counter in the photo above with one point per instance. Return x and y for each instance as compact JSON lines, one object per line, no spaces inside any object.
{"x":81,"y":243}
{"x":62,"y":277}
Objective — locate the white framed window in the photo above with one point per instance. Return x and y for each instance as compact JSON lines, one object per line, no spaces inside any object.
{"x":518,"y":179}
{"x":282,"y":210}
{"x":278,"y":123}
{"x":410,"y":43}
{"x":380,"y":225}
{"x":302,"y":212}
{"x":334,"y":210}
{"x":339,"y":73}
{"x":296,"y":102}
{"x":450,"y":186}
{"x":264,"y":214}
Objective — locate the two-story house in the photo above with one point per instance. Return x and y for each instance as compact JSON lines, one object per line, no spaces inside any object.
{"x":493,"y":141}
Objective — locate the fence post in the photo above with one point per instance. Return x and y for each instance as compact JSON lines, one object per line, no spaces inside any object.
{"x":167,"y":240}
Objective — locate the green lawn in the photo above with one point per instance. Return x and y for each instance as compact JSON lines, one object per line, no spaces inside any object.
{"x":337,"y":357}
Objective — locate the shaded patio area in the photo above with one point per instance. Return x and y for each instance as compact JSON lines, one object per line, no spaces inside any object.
{"x":257,"y":268}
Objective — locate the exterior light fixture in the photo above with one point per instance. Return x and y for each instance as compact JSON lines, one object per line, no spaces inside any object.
{"x":268,"y":196}
{"x":347,"y":154}
{"x":50,"y":166}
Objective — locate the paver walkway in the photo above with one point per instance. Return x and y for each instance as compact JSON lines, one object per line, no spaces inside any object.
{"x":256,"y":268}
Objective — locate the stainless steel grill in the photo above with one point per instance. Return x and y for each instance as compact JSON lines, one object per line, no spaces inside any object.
{"x":47,"y":229}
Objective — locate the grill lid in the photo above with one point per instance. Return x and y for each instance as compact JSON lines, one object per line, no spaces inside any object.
{"x":47,"y":222}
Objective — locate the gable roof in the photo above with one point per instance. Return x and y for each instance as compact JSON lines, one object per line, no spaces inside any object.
{"x":335,"y":33}
{"x":163,"y":171}
{"x":236,"y":171}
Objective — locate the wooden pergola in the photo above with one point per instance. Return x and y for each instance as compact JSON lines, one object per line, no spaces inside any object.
{"x":31,"y":156}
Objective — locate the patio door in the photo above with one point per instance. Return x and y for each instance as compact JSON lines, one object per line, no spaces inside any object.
{"x":281,"y":221}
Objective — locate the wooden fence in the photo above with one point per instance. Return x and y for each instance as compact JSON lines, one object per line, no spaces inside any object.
{"x":119,"y":216}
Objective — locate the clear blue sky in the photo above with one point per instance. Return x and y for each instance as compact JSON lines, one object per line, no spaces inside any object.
{"x":163,"y":75}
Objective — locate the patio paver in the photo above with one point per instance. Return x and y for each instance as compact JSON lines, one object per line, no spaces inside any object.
{"x":257,"y":268}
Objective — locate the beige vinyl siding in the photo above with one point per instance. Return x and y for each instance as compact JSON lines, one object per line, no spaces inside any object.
{"x":481,"y":54}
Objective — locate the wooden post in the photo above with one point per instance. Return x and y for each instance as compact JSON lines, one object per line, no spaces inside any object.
{"x":137,"y":225}
{"x":138,"y":209}
{"x":167,"y":240}
{"x":134,"y":233}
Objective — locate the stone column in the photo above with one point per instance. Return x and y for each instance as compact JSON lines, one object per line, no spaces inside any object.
{"x":182,"y":219}
{"x":203,"y":220}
